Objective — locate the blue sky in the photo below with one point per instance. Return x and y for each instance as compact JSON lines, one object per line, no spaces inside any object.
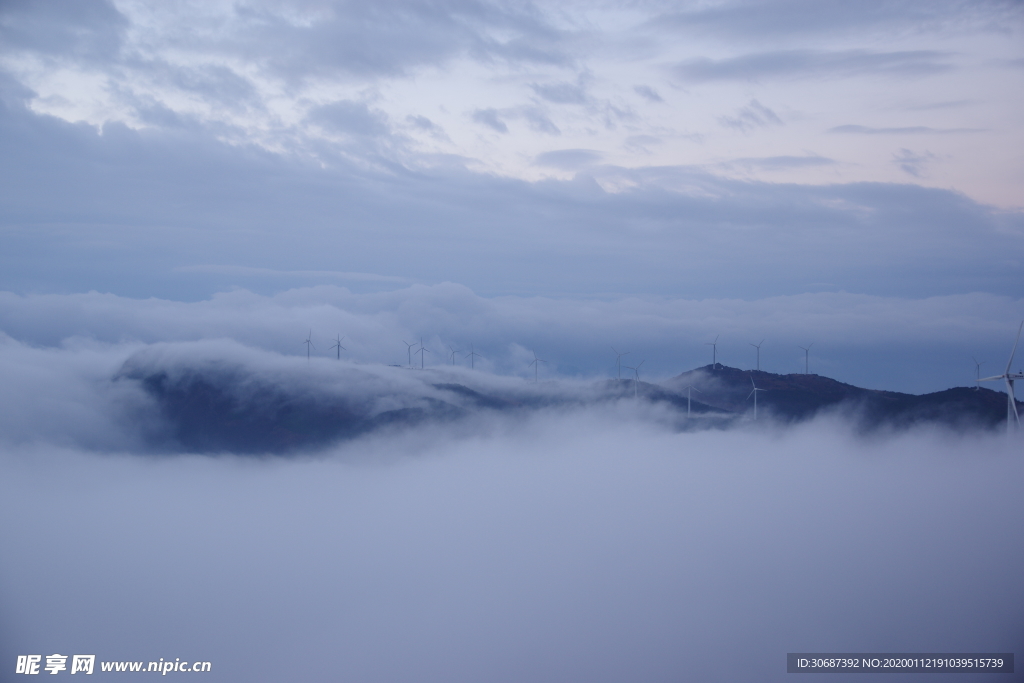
{"x":702,"y":157}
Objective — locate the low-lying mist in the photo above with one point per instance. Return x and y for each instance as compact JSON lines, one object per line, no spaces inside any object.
{"x":550,"y":531}
{"x":561,"y":547}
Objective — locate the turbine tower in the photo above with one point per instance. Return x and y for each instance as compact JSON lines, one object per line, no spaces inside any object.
{"x":453,"y":352}
{"x":421,"y":351}
{"x":688,"y":389}
{"x":337,"y":345}
{"x":636,"y":376}
{"x":807,"y":353}
{"x":1012,"y":417}
{"x":714,"y":351}
{"x":536,"y":364}
{"x":309,"y":343}
{"x":618,"y":362}
{"x":754,"y":394}
{"x":758,"y":347}
{"x":977,"y":371}
{"x":409,"y":350}
{"x":472,"y":357}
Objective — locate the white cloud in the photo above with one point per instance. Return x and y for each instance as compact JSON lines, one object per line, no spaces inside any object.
{"x":569,"y":549}
{"x":881,"y":342}
{"x":256,"y":73}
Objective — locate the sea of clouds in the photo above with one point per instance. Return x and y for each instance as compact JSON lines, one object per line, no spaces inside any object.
{"x":595,"y":542}
{"x":582,"y":546}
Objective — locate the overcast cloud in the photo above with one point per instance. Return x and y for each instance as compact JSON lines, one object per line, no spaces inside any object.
{"x":581,"y":550}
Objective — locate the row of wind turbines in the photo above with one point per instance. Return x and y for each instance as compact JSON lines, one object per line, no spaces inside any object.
{"x":1008,"y":377}
{"x":714,"y":354}
{"x":453,"y":353}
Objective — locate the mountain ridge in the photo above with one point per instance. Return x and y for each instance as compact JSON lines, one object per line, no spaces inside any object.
{"x":219,"y":405}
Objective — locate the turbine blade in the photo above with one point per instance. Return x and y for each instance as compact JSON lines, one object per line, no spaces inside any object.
{"x":1010,"y":362}
{"x":749,"y":395}
{"x":991,"y":379}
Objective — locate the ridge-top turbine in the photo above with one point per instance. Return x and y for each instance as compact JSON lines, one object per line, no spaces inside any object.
{"x":714,"y":351}
{"x":309,"y":343}
{"x":337,"y":345}
{"x":636,"y":376}
{"x":536,"y":364}
{"x":977,"y":371}
{"x":472,"y":357}
{"x":758,"y":347}
{"x":690,"y":387}
{"x":1012,"y":417}
{"x":807,"y":354}
{"x":618,"y":361}
{"x":754,"y":394}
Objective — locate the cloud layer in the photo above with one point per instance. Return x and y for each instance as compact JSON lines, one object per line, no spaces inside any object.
{"x":543,"y":76}
{"x":575,"y":549}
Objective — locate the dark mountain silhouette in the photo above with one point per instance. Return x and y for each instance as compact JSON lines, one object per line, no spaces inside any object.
{"x":224,"y":407}
{"x":225,"y":411}
{"x":799,"y":397}
{"x":656,"y":393}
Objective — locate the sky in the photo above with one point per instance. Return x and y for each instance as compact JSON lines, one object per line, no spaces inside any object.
{"x":196,"y":185}
{"x":715,"y":155}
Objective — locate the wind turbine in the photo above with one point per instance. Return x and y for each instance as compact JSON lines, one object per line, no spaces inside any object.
{"x":977,"y":371}
{"x":536,"y":364}
{"x":618,"y":361}
{"x":309,"y":343}
{"x":636,"y":375}
{"x":421,"y":351}
{"x":688,"y":388}
{"x":453,"y":352}
{"x":807,"y":352}
{"x":754,"y":394}
{"x":409,"y":350}
{"x":472,"y":357}
{"x":1012,"y":418}
{"x":337,"y":345}
{"x":714,"y":351}
{"x":758,"y":347}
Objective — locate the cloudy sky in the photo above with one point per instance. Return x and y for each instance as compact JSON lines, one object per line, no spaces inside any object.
{"x":715,"y":155}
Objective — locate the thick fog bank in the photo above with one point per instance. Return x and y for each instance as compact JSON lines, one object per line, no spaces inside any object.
{"x":219,"y":396}
{"x":569,"y":549}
